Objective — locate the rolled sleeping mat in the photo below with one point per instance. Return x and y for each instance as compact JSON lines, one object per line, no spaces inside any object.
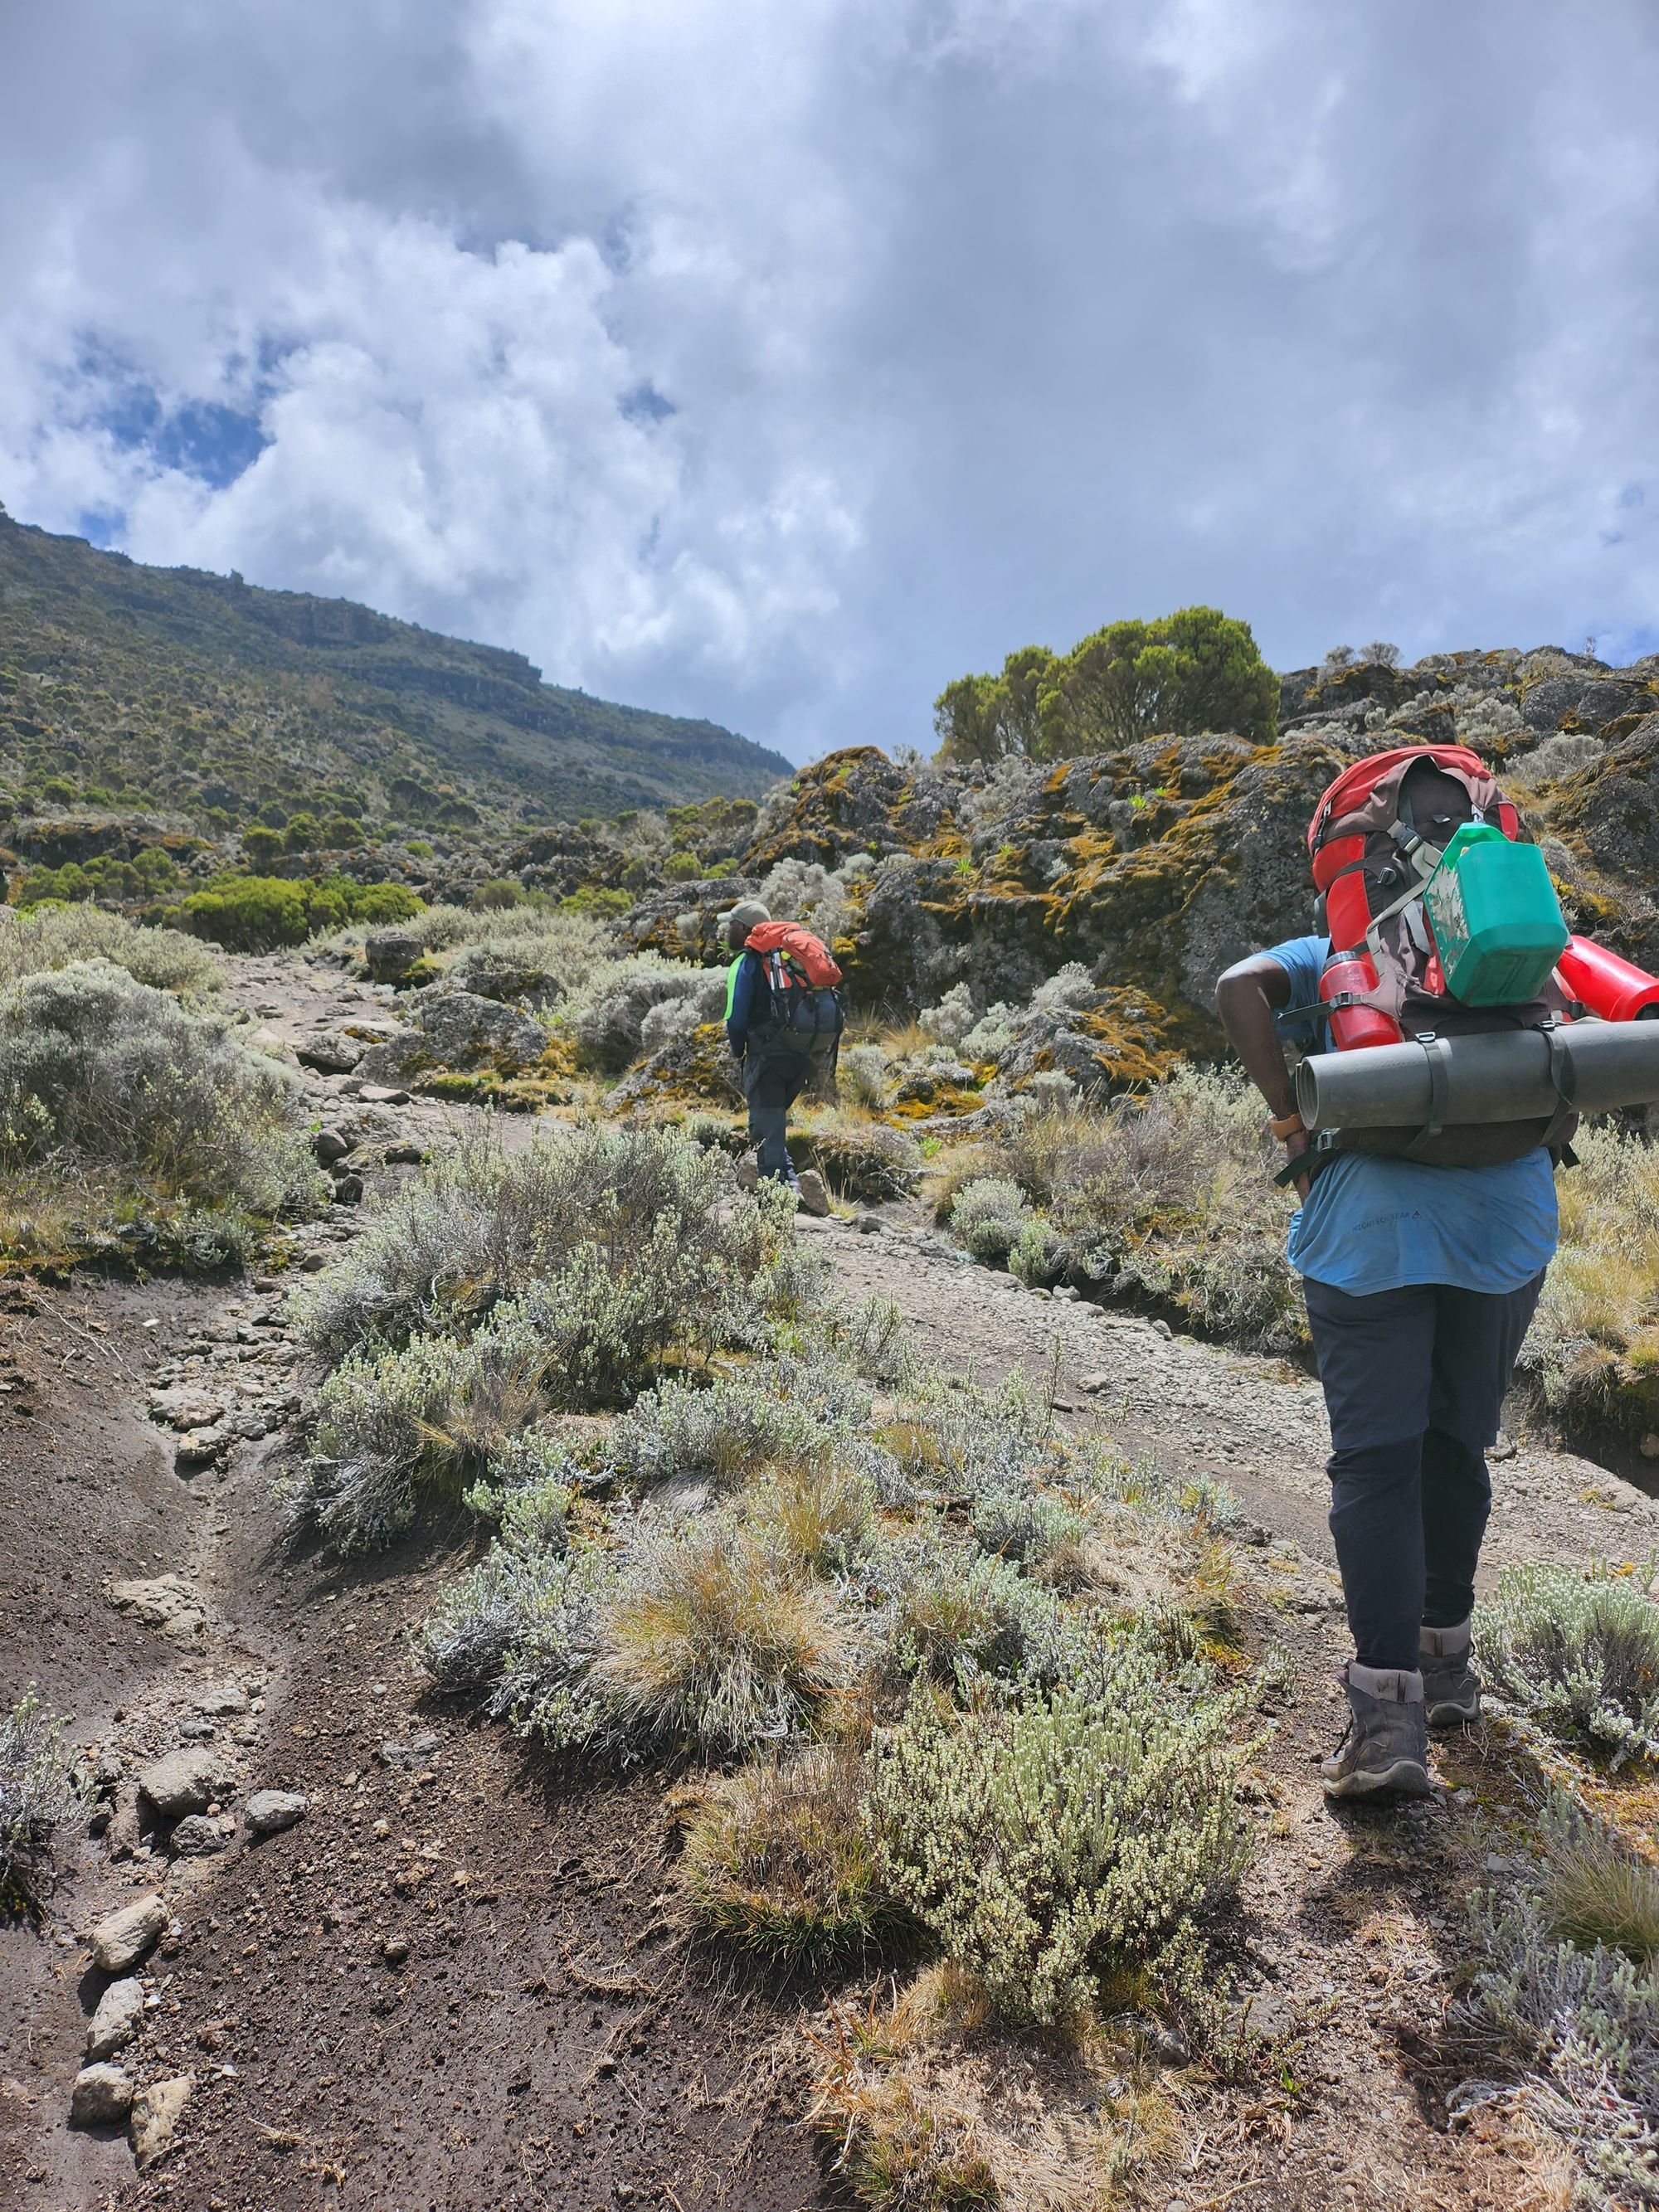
{"x":1503,"y":1075}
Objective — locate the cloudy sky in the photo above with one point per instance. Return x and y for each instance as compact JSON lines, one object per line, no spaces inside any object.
{"x":779,"y":359}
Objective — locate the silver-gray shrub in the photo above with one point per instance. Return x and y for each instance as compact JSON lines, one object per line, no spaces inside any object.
{"x":988,"y":1215}
{"x":479,"y":1223}
{"x":56,"y":937}
{"x":956,"y":1618}
{"x":1026,"y":1525}
{"x":98,"y":1069}
{"x":1579,"y":1653}
{"x":41,"y":1791}
{"x":1070,"y":1835}
{"x":786,"y":1413}
{"x":1585,"y":2019}
{"x":404,"y":1424}
{"x":607,"y":1014}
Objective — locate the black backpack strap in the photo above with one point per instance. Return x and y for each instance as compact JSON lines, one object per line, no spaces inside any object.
{"x":1564,"y":1075}
{"x":1434,"y":1052}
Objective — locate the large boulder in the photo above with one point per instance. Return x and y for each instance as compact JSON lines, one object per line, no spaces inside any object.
{"x":459,"y":1030}
{"x":185,"y":1781}
{"x":120,"y":1941}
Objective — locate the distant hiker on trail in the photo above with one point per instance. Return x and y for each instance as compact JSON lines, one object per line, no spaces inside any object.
{"x":783,"y":1021}
{"x":1423,"y":1254}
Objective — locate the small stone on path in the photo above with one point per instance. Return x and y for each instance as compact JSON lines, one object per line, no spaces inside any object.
{"x":156,"y":2111}
{"x":102,"y":2097}
{"x":115,"y":2022}
{"x":122,"y":1939}
{"x":270,"y":1810}
{"x":185,"y":1781}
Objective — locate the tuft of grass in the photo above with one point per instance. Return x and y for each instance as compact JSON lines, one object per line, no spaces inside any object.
{"x":714,"y":1639}
{"x":1594,"y":1889}
{"x":41,"y":1791}
{"x":779,"y":1860}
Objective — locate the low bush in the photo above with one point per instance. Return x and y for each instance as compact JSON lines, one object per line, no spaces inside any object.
{"x":1579,"y":1655}
{"x":51,"y":937}
{"x":480,"y":1223}
{"x":784,"y":1415}
{"x":780,"y":1860}
{"x":608,"y":1016}
{"x":1067,"y":1837}
{"x":988,"y":1215}
{"x":861,"y":1076}
{"x":864,"y":1161}
{"x":41,"y":1791}
{"x":1580,"y":2012}
{"x":259,"y":913}
{"x":959,"y":1619}
{"x":102,"y":1078}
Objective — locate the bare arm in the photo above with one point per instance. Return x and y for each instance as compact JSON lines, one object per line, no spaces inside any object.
{"x":1247,"y":998}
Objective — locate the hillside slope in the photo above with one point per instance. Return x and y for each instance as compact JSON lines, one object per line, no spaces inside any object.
{"x":213,"y":699}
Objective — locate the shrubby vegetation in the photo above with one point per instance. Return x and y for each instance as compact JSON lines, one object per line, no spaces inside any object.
{"x":1194,"y":670}
{"x":498,"y":1288}
{"x":257,"y":914}
{"x":1566,"y":1971}
{"x":773,"y":1560}
{"x":124,"y":1116}
{"x":41,"y":1791}
{"x":56,"y":937}
{"x":1579,"y":1653}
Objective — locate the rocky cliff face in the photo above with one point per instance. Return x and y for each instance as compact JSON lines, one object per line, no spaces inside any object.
{"x":1157,"y":866}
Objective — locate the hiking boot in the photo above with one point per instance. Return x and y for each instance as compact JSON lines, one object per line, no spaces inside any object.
{"x":1384,"y":1751}
{"x":748,"y":1172}
{"x":810,"y":1190}
{"x":1451,"y":1688}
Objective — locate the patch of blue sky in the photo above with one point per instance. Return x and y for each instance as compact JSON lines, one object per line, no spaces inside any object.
{"x":645,"y":403}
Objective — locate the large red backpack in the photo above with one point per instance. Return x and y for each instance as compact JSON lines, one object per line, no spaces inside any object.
{"x":801,"y":974}
{"x":1382,"y":981}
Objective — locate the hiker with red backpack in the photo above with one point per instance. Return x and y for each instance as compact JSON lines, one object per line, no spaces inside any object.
{"x":783,"y":1022}
{"x":1423,"y":1248}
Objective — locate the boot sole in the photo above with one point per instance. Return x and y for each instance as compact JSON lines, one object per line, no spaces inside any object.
{"x":1453,"y":1716}
{"x":1406,"y":1778}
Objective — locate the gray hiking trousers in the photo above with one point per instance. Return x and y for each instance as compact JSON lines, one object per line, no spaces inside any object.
{"x":772,"y":1081}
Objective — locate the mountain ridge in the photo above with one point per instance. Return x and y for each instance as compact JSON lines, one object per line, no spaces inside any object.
{"x":287,"y":698}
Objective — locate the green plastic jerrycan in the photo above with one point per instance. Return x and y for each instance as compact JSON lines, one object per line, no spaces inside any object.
{"x":1498,"y":924}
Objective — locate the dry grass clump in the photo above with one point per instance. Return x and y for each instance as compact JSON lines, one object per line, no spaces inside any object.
{"x":779,"y":1860}
{"x":924,"y":2108}
{"x":165,"y":1135}
{"x":1564,"y":1970}
{"x":1579,"y":1653}
{"x":41,"y":1791}
{"x":1594,"y":1344}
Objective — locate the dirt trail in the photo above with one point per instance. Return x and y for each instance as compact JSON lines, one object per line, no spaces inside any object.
{"x":454,"y":1983}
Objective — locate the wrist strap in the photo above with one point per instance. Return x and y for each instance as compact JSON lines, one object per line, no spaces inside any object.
{"x":1287,"y":1125}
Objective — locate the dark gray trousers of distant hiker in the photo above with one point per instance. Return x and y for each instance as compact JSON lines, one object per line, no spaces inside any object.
{"x":1414,"y":1383}
{"x":772,"y":1081}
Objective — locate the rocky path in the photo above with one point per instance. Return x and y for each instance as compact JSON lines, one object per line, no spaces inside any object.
{"x":450,"y":1978}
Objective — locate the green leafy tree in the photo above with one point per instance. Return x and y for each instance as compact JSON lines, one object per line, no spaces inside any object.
{"x":1193,"y":670}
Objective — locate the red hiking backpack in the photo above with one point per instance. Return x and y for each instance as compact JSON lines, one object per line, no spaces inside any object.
{"x":1382,"y":981}
{"x":804,"y":1010}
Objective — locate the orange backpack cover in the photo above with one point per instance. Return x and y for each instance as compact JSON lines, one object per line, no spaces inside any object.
{"x":809,"y":953}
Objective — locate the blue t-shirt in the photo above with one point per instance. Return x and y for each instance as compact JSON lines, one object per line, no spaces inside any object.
{"x":1371,"y":1224}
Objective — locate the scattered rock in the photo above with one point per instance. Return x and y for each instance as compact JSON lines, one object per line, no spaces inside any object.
{"x":813,"y":1197}
{"x":186,"y":1781}
{"x":348,"y":1190}
{"x":1649,"y":1446}
{"x":224,"y":1697}
{"x":102,"y":2097}
{"x":269,"y":1810}
{"x":187,"y":1406}
{"x":116,"y":2021}
{"x":168,"y":1603}
{"x":333,"y":1054}
{"x":196,"y":1837}
{"x":156,"y":2111}
{"x":415,"y":1752}
{"x":403,"y":1156}
{"x":390,"y":954}
{"x":394,"y":1950}
{"x":870,"y":1224}
{"x":123,"y":1939}
{"x":200,"y":1447}
{"x":329,"y":1146}
{"x":383,"y":1094}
